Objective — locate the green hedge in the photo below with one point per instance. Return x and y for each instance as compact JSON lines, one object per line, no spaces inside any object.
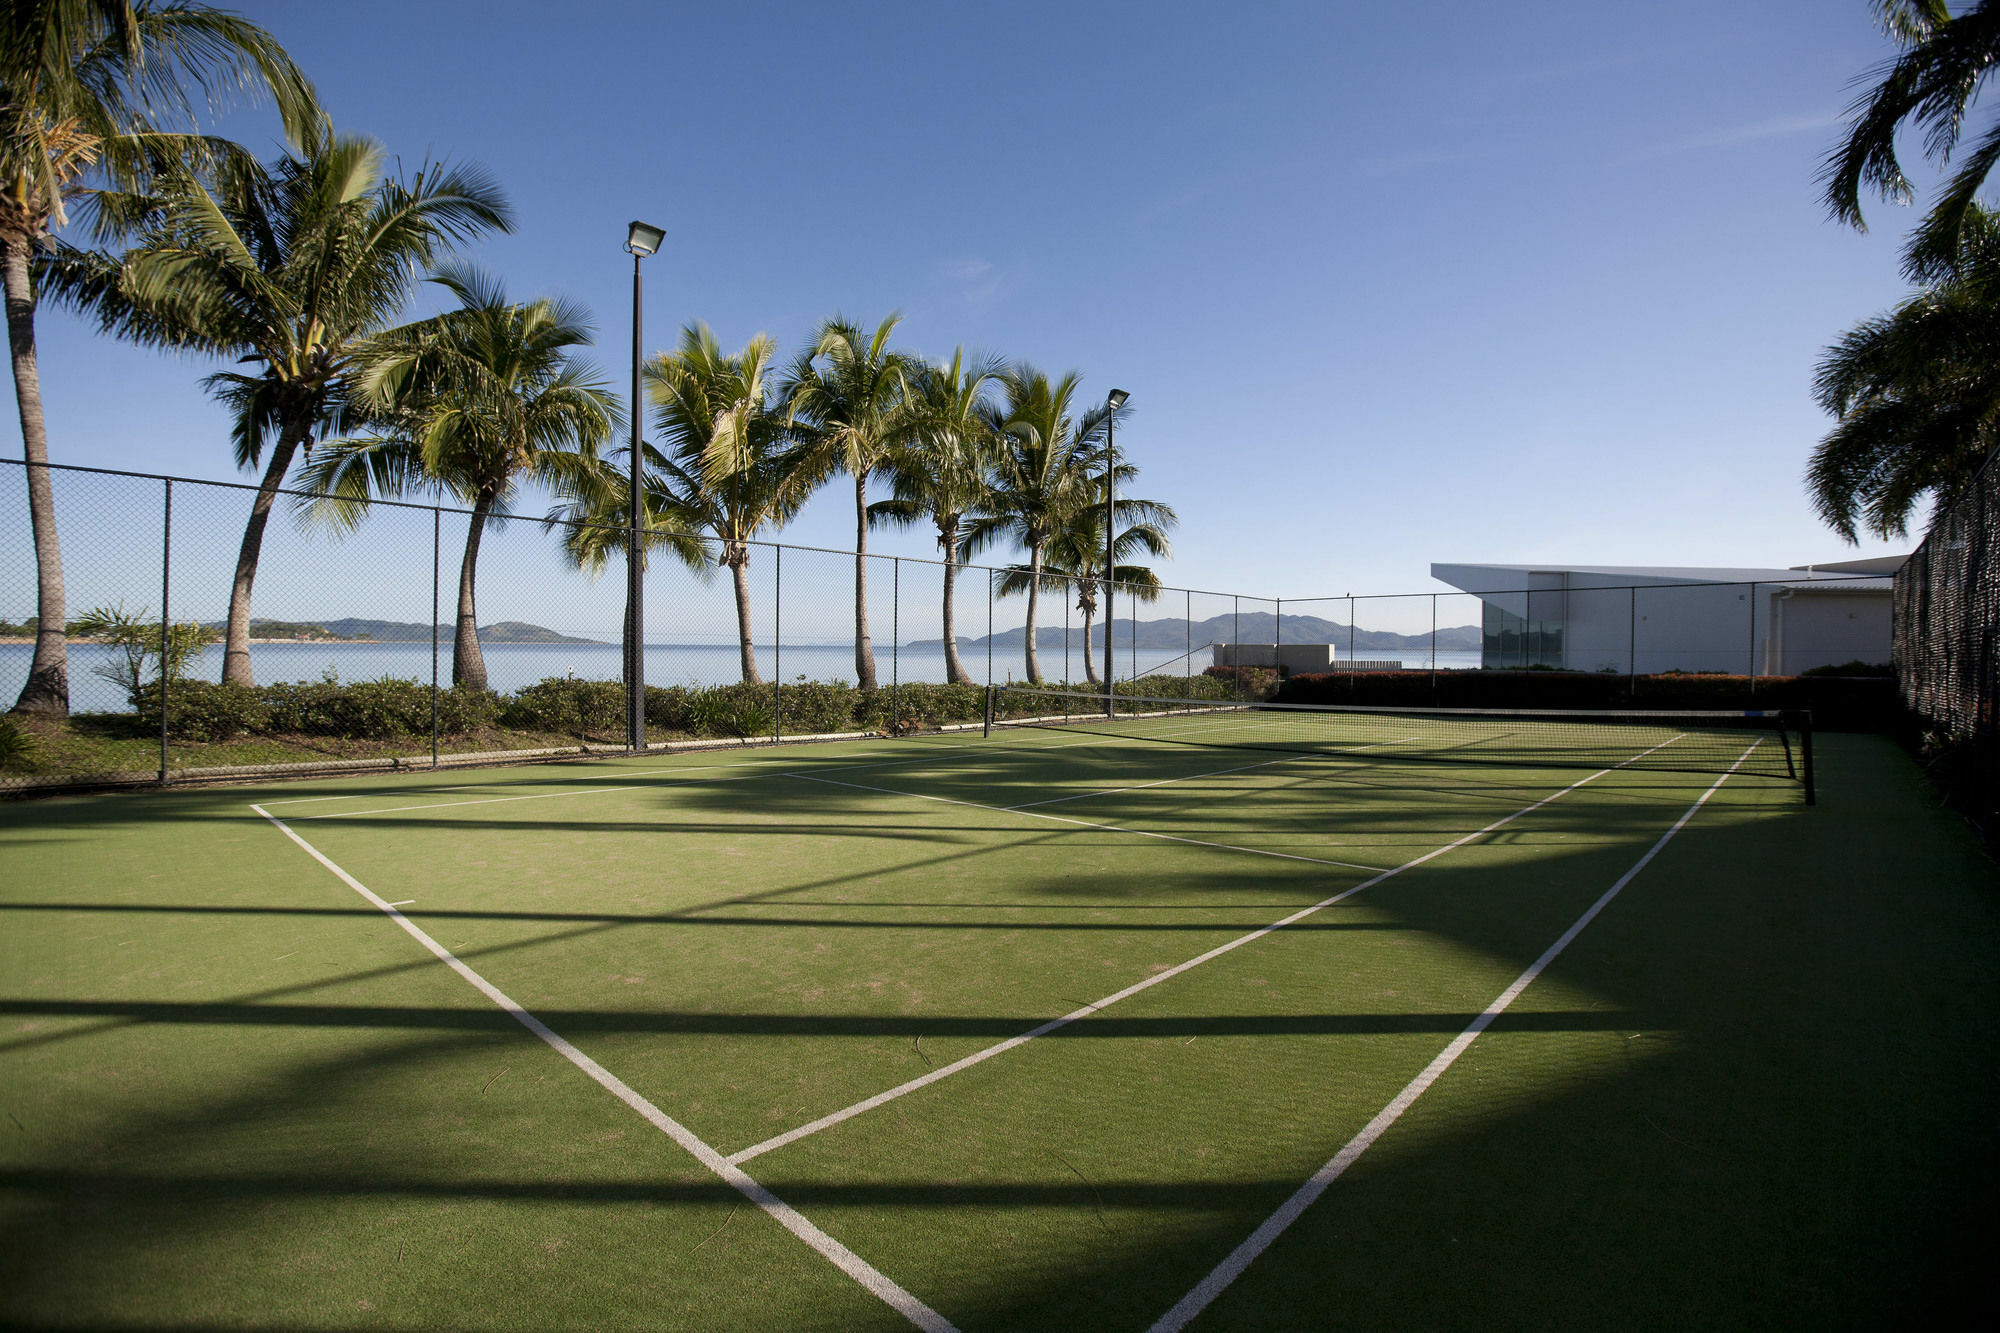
{"x":391,"y":709}
{"x":1836,"y":703}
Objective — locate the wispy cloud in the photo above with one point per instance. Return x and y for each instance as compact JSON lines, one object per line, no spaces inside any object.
{"x":977,"y":282}
{"x":1779,"y":127}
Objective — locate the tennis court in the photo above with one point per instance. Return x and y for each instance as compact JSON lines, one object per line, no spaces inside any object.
{"x":1172,"y":1019}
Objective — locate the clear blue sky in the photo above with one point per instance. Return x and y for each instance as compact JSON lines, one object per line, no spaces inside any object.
{"x":1388,"y":284}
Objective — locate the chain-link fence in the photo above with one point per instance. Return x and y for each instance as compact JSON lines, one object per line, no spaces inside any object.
{"x":1947,"y":646}
{"x":421,"y":635}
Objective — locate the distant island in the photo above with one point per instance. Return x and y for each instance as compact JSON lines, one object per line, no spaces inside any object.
{"x":1250,"y":627}
{"x":353,"y":630}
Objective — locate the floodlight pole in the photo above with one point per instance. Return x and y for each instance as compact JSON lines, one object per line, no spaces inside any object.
{"x":640,"y":240}
{"x":1112,"y":403}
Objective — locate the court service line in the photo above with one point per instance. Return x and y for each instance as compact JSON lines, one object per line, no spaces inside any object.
{"x":783,"y":1213}
{"x":1290,"y":1211}
{"x":957,"y":1066}
{"x":1088,"y":823}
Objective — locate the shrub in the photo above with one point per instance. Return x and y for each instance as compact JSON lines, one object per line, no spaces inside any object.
{"x":384,"y":709}
{"x":200,"y":710}
{"x":18,"y":746}
{"x":919,"y":703}
{"x":568,"y":705}
{"x":667,"y":706}
{"x":811,"y":706}
{"x":1854,"y":668}
{"x":731,"y":710}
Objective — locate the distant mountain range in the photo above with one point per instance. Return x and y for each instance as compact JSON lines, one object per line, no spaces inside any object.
{"x":1250,"y":627}
{"x":400,"y":631}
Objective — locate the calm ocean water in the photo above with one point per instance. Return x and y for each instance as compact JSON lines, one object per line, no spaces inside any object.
{"x":512,"y":665}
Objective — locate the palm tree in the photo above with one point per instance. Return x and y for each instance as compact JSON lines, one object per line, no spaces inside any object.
{"x":1074,"y":558}
{"x":940,"y":468}
{"x":1039,"y":480}
{"x":846,"y":393}
{"x":474,"y":402}
{"x":296,"y":268}
{"x":84,"y":86}
{"x":593,"y":517}
{"x":1917,"y":394}
{"x":1944,"y":65}
{"x":730,"y":467}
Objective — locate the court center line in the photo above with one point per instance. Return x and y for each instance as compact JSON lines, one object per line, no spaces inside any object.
{"x":1290,"y":1211}
{"x":783,"y":1213}
{"x":1088,"y":823}
{"x":977,"y":1057}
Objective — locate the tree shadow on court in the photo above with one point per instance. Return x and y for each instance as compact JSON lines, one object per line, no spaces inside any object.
{"x":1777,"y":1112}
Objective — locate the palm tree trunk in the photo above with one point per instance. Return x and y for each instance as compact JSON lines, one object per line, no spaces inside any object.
{"x":1089,"y":609}
{"x":1034,"y":600}
{"x":236,"y":647}
{"x":954,"y":670}
{"x":468,"y":665}
{"x":737,"y":556}
{"x":46,"y":690}
{"x":864,"y":647}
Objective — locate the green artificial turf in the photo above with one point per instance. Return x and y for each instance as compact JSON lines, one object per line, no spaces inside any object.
{"x":1757,"y":1089}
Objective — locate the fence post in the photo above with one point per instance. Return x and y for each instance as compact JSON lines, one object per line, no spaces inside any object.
{"x":1236,"y":642}
{"x":989,"y":628}
{"x":437,"y":545}
{"x":1632,"y":646}
{"x":1187,"y":619}
{"x":1352,"y":683}
{"x":895,"y":641}
{"x":1069,"y":674}
{"x":1434,"y":647}
{"x":1753,"y":641}
{"x":1132,"y":601}
{"x":1278,"y":642}
{"x":166,"y":615}
{"x":778,"y":644}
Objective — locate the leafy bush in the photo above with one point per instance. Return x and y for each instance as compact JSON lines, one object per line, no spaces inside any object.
{"x":201,"y":710}
{"x":817,"y":706}
{"x":1854,"y":668}
{"x":385,"y":709}
{"x":565,"y":704}
{"x":731,"y":710}
{"x":18,"y":746}
{"x":920,"y":703}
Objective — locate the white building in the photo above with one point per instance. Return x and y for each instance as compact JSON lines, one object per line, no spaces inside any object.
{"x":1770,"y":622}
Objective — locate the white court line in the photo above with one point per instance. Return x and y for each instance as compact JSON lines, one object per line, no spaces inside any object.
{"x":783,"y":1213}
{"x":945,"y":1071}
{"x":1289,"y":1212}
{"x":1087,"y":823}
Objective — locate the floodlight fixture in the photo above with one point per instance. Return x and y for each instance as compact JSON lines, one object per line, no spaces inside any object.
{"x":643,"y":238}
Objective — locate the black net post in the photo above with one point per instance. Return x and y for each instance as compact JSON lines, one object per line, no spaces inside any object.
{"x":989,"y":629}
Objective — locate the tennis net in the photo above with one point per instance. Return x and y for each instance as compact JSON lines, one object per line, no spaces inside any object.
{"x":1767,"y":744}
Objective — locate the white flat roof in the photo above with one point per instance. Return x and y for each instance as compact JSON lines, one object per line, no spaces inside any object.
{"x":1514,"y":578}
